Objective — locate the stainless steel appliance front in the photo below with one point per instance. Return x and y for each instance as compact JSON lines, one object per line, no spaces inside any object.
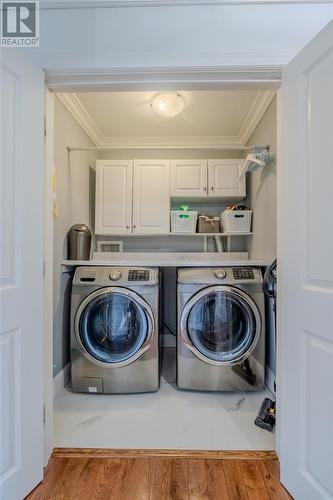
{"x":221,"y":335}
{"x":114,"y":330}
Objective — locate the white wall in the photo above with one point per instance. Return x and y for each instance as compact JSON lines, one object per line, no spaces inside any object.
{"x":74,"y":197}
{"x":261,"y":186}
{"x":262,"y":199}
{"x":220,"y":35}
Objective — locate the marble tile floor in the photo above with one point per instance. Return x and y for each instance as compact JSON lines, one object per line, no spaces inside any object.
{"x":167,"y":419}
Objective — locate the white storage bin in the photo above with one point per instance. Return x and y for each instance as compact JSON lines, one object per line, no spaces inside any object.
{"x":236,"y":221}
{"x":183,"y":221}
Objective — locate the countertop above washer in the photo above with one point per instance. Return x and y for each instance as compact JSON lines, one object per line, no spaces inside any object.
{"x":172,"y":259}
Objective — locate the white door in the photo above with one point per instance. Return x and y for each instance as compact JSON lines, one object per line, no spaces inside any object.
{"x":113,"y":203}
{"x":21,"y":275}
{"x":223,"y":179}
{"x":188,"y":178}
{"x":305,"y":267}
{"x":151,"y":197}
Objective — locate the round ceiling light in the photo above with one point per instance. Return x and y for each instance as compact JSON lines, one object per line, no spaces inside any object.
{"x":168,"y":105}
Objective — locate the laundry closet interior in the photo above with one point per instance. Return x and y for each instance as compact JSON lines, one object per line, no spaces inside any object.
{"x":163,"y":337}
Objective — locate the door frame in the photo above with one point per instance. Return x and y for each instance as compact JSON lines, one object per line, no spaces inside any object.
{"x":48,"y":276}
{"x":123,"y":79}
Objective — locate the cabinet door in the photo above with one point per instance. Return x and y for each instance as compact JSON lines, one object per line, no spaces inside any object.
{"x":151,"y":197}
{"x":188,"y":178}
{"x":113,"y":213}
{"x":223,"y":179}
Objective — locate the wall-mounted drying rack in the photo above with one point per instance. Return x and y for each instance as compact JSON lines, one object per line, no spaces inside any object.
{"x":260,"y":156}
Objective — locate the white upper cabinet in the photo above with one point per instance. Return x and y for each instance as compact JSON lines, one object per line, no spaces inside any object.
{"x":223,"y":179}
{"x":188,"y":178}
{"x":113,"y":214}
{"x":207,"y":178}
{"x":151,"y":197}
{"x":133,"y":197}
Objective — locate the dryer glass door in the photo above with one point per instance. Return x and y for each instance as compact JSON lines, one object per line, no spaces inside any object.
{"x":113,"y":326}
{"x":223,"y":324}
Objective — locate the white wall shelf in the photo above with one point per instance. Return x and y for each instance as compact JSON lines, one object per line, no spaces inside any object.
{"x":193,"y":235}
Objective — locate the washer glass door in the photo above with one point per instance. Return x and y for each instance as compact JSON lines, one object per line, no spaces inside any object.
{"x":223,"y":324}
{"x":113,"y":327}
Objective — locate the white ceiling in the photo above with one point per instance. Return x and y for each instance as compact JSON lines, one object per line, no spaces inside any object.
{"x":129,"y":114}
{"x":210,"y":118}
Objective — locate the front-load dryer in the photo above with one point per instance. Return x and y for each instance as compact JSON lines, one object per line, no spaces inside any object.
{"x":221,"y":334}
{"x":114,"y":330}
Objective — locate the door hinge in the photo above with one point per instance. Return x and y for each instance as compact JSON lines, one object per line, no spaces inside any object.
{"x":44,"y":414}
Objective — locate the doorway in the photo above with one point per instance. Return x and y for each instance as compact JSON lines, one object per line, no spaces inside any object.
{"x":78,"y":418}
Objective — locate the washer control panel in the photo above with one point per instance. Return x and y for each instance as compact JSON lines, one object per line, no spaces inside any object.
{"x":116,"y":276}
{"x":243,"y":273}
{"x":138,"y":275}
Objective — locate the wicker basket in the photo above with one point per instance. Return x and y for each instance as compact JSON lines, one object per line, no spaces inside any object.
{"x":208,"y":224}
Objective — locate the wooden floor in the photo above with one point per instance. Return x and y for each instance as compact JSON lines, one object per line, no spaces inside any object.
{"x":154,"y":475}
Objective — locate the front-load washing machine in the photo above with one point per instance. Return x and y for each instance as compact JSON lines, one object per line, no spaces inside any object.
{"x":114,"y":330}
{"x":221,"y":333}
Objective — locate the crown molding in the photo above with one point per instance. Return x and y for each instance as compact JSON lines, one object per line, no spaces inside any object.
{"x":94,"y":4}
{"x":261,"y":76}
{"x":197,"y":142}
{"x":255,"y":114}
{"x":83,"y":118}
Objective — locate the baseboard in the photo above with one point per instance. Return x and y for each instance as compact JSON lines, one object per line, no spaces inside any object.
{"x":182,"y":454}
{"x":61,"y":380}
{"x":270,"y":379}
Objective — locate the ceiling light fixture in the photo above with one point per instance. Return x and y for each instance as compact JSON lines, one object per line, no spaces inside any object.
{"x":168,"y":105}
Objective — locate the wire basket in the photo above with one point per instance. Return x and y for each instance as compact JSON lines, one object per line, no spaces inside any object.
{"x":183,"y":221}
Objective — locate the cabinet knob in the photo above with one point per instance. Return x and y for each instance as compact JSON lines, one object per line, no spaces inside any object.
{"x":127,"y":227}
{"x":212,"y":188}
{"x":134,"y":226}
{"x":205,"y":189}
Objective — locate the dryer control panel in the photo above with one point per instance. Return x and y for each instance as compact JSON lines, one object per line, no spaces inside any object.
{"x":226,"y":275}
{"x":243,"y":273}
